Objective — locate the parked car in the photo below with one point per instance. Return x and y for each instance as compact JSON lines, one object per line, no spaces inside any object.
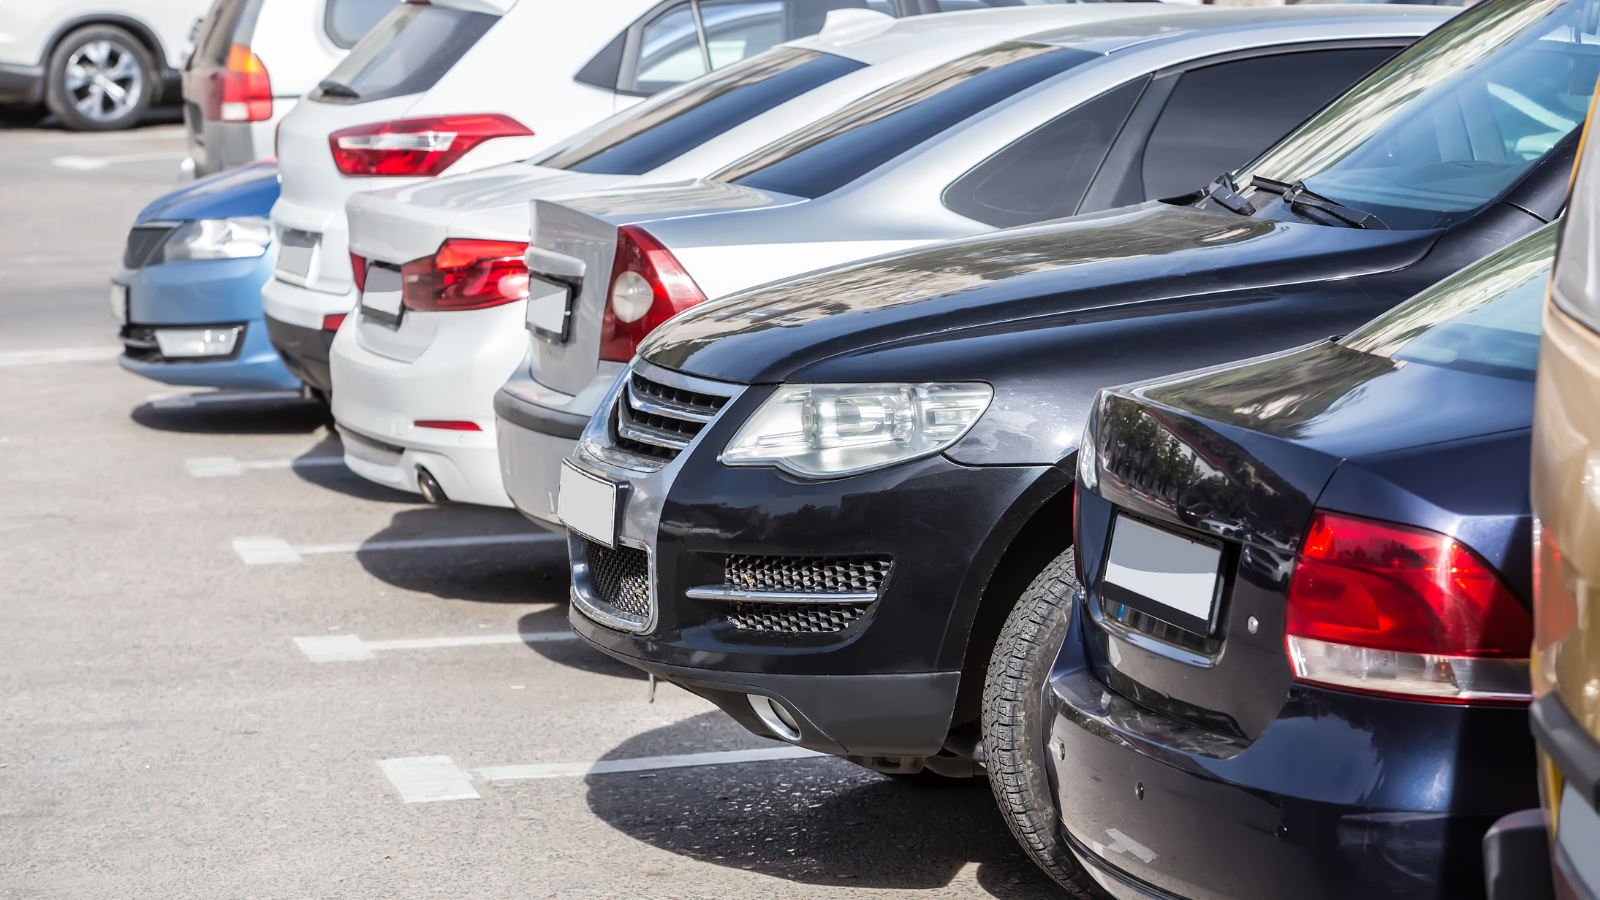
{"x":1089,"y":117}
{"x":97,"y":65}
{"x":188,"y":293}
{"x":417,"y":382}
{"x":1307,"y":592}
{"x":817,"y":503}
{"x":252,"y":60}
{"x":427,"y":93}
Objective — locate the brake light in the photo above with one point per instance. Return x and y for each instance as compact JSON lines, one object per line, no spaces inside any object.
{"x":238,"y":92}
{"x":332,"y":321}
{"x":448,"y":424}
{"x":466,"y":274}
{"x":358,"y":271}
{"x":1389,"y":609}
{"x":416,"y":147}
{"x":648,"y":287}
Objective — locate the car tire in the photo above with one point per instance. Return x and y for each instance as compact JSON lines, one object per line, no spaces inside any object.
{"x":1016,"y":723}
{"x":100,"y":78}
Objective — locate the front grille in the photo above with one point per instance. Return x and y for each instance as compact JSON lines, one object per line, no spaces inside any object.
{"x":657,"y":420}
{"x":795,"y":618}
{"x":139,"y":343}
{"x":143,"y":240}
{"x":621,"y":577}
{"x":807,"y":574}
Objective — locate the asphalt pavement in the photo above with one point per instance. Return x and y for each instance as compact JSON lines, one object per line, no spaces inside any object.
{"x":231,"y":668}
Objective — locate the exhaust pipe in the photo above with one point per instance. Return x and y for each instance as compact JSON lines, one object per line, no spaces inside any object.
{"x":429,"y":486}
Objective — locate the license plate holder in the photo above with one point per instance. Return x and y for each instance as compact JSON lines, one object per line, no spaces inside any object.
{"x":588,"y":504}
{"x":549,"y":309}
{"x":382,"y":298}
{"x":1165,"y":575}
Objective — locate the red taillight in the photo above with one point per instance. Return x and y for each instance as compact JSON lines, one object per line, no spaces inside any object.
{"x":466,"y":274}
{"x":1390,"y":609}
{"x":648,"y":287}
{"x":358,"y":271}
{"x":332,"y":321}
{"x":238,"y":92}
{"x":416,"y":147}
{"x":448,"y":424}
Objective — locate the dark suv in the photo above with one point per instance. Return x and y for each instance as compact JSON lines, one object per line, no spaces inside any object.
{"x":816,"y":503}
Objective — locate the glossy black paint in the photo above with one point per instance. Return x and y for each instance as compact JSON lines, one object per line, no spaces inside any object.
{"x":304,"y":351}
{"x":1376,"y":795}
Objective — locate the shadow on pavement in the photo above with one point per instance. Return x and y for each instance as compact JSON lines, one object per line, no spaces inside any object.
{"x":811,"y":821}
{"x":226,"y":412}
{"x":489,"y":573}
{"x":340,"y":480}
{"x":35,"y":117}
{"x":572,"y":654}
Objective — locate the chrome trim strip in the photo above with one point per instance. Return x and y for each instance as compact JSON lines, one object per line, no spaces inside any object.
{"x":686,"y":382}
{"x":605,"y":618}
{"x":734,"y":595}
{"x":646,"y":434}
{"x":667,"y":408}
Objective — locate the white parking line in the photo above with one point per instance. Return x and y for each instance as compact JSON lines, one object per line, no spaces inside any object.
{"x":191,"y":400}
{"x":90,"y":163}
{"x":57,"y":355}
{"x":259,"y":551}
{"x":223,"y":466}
{"x":423,"y":779}
{"x":351,"y":648}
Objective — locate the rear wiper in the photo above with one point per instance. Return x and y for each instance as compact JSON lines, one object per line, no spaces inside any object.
{"x":1226,"y":195}
{"x":333,"y":88}
{"x":1296,"y":194}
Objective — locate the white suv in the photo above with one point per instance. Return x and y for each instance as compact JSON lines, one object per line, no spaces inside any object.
{"x":97,"y":64}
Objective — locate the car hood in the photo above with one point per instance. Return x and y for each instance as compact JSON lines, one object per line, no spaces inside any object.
{"x":246,"y":191}
{"x":1128,"y":262}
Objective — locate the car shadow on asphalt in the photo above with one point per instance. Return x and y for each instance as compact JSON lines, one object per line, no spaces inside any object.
{"x":317,"y":467}
{"x":484,"y":573}
{"x":574,"y":654}
{"x":816,"y":821}
{"x":242,"y":412}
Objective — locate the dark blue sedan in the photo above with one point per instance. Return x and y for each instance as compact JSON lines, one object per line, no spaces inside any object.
{"x":1298,"y":666}
{"x":189,"y":290}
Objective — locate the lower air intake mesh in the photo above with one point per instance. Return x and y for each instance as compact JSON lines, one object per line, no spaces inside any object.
{"x":807,"y":574}
{"x":795,"y":618}
{"x":621,"y":577}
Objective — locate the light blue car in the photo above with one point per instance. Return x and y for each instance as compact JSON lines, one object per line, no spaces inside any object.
{"x":189,"y":290}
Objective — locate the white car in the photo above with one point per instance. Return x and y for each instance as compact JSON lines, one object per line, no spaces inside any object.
{"x":252,"y":61}
{"x":457,"y":85}
{"x":97,"y":64}
{"x":417,"y":366}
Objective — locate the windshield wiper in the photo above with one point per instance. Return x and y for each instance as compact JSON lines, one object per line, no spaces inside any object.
{"x":1226,"y":195}
{"x":331,"y":88}
{"x":1296,"y":194}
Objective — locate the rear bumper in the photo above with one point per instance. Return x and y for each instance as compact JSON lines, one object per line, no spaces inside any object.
{"x":538,"y":428}
{"x":216,"y":146}
{"x":21,"y":84}
{"x":304,"y":352}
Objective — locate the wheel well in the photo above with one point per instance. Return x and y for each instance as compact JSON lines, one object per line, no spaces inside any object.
{"x":138,"y":29}
{"x":1046,"y":534}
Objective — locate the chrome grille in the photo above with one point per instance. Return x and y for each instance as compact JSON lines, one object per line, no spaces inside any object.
{"x":621,"y":577}
{"x":657,"y":420}
{"x":143,"y":240}
{"x":795,"y":618}
{"x":807,"y":574}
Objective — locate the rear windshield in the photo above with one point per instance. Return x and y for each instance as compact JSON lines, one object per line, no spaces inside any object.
{"x":347,"y":21}
{"x":852,"y":142}
{"x":641,"y":140}
{"x":1484,"y":319}
{"x":407,"y":52}
{"x":228,"y":22}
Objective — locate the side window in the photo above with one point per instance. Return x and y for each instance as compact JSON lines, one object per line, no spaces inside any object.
{"x":1045,"y":174}
{"x":1207,"y":129}
{"x":669,"y":51}
{"x":346,"y":21}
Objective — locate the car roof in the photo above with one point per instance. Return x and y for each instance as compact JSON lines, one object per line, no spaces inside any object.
{"x":1119,"y":34}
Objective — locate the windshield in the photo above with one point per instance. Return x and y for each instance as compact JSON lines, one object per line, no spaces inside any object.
{"x":1483,"y":319}
{"x":1451,"y":122}
{"x":850,"y":143}
{"x":642,"y":139}
{"x":405,"y":53}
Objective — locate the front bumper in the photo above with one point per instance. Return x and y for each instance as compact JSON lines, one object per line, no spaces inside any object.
{"x":1344,"y":796}
{"x":886,"y":683}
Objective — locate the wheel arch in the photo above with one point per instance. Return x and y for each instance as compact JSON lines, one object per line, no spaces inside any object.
{"x":141,"y":31}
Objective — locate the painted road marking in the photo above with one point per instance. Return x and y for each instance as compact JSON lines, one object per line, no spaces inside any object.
{"x":191,"y":400}
{"x":351,"y":648}
{"x":58,"y":355}
{"x":422,"y":779}
{"x":259,"y":551}
{"x":91,"y":163}
{"x":223,"y":466}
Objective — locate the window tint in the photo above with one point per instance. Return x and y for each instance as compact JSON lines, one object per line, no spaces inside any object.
{"x":346,"y":21}
{"x":827,"y":155}
{"x":642,"y":139}
{"x":1045,"y":175}
{"x":227,"y":23}
{"x":1205,"y":130}
{"x":406,"y":53}
{"x":669,"y":53}
{"x":1484,"y":319}
{"x":1451,"y":122}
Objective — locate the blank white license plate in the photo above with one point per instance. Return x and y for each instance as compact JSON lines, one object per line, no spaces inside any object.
{"x":588,"y":505}
{"x":295,"y":251}
{"x":383,"y":298}
{"x":1162,"y":574}
{"x":548,"y":309}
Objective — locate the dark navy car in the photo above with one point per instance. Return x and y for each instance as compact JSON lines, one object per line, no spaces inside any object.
{"x":818,"y":502}
{"x":1299,"y":666}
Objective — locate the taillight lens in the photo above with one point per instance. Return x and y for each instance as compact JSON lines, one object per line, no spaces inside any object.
{"x":416,"y":147}
{"x":358,"y":271}
{"x":466,"y":274}
{"x":238,"y":92}
{"x":332,"y":321}
{"x":1391,"y":609}
{"x":648,"y":287}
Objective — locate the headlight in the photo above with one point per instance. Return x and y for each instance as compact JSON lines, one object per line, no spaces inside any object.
{"x":238,"y":238}
{"x":831,"y":430}
{"x":1088,"y":465}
